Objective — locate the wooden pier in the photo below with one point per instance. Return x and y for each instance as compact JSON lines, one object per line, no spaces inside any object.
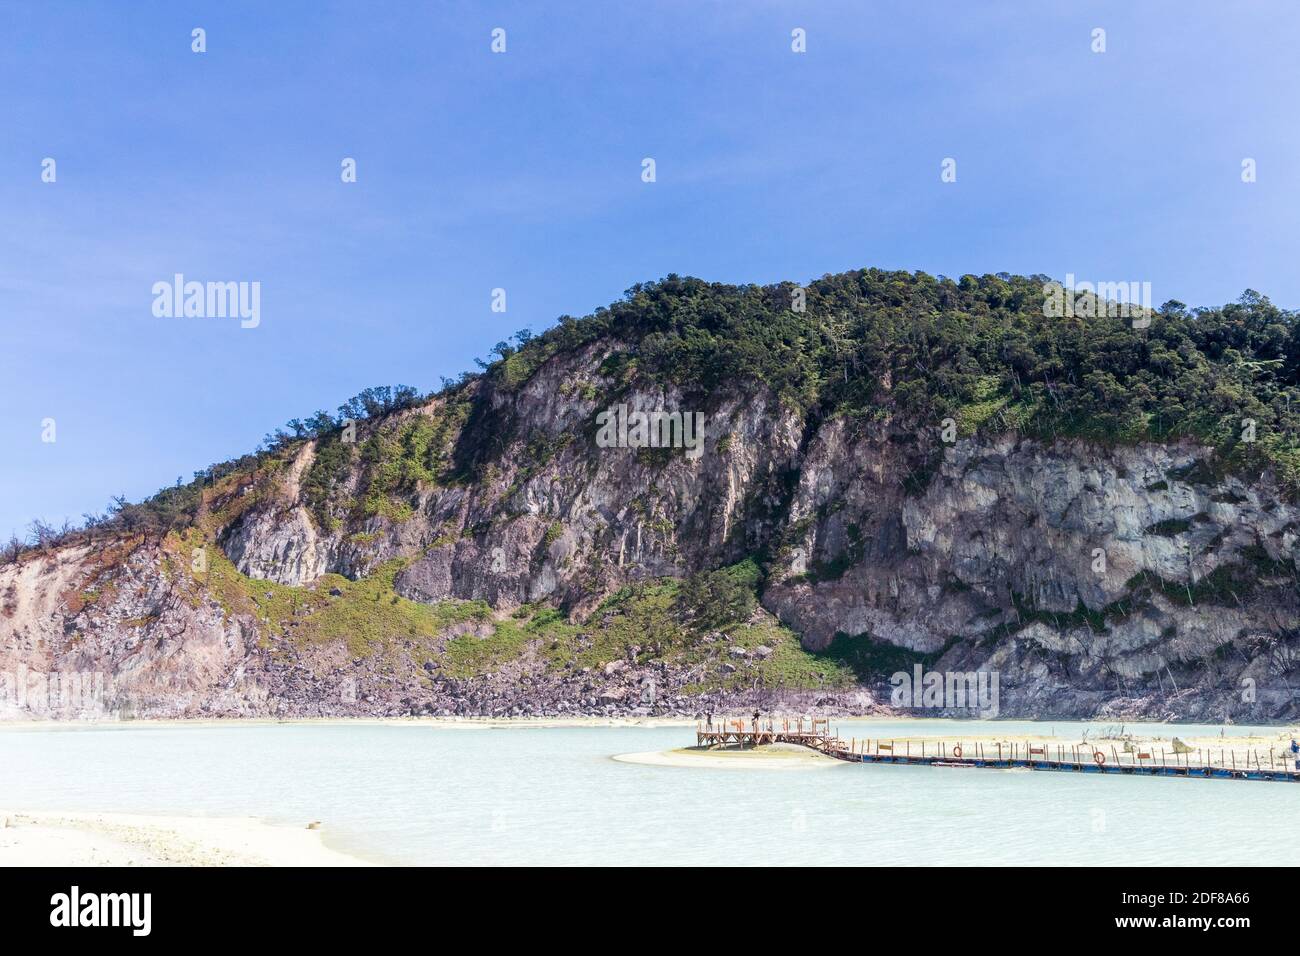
{"x":817,"y":735}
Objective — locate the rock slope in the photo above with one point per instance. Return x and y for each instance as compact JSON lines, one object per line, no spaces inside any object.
{"x":512,"y":565}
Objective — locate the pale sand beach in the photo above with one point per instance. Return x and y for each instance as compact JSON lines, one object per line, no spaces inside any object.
{"x":122,"y":839}
{"x":773,"y":757}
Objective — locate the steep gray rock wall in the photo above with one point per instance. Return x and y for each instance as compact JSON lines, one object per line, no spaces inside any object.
{"x":1093,"y":579}
{"x":1079,"y":573}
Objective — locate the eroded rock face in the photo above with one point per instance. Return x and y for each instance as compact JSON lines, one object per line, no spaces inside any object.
{"x":281,"y":545}
{"x":135,"y":646}
{"x":1039,"y":562}
{"x":1095,"y":580}
{"x":566,"y":529}
{"x":1011,"y":522}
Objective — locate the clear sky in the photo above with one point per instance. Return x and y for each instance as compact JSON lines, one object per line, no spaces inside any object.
{"x":522,"y":170}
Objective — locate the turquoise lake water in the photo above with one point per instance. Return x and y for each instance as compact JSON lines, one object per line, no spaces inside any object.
{"x":424,"y":794}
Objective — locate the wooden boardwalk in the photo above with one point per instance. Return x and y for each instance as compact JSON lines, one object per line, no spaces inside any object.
{"x":1067,"y":758}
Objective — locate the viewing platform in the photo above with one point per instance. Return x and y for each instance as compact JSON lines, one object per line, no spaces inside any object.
{"x":816,"y":734}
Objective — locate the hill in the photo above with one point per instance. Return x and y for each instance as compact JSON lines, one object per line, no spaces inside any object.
{"x":710,"y":495}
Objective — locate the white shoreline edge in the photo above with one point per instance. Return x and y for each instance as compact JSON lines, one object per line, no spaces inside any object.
{"x":41,"y":838}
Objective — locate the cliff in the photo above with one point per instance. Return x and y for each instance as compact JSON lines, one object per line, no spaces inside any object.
{"x":490,"y":549}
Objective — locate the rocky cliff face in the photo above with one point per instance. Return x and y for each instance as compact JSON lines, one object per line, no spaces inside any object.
{"x":1095,"y":580}
{"x":1088,"y":577}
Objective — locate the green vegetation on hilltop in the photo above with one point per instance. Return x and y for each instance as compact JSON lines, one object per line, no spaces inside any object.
{"x":210,"y":497}
{"x":912,"y":347}
{"x":980,"y":350}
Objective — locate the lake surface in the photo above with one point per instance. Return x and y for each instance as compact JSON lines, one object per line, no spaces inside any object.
{"x":427,"y":794}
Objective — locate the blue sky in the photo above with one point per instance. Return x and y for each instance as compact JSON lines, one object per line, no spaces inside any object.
{"x":522,"y":171}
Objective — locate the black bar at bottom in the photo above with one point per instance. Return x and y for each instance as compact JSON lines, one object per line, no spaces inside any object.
{"x":379,"y":905}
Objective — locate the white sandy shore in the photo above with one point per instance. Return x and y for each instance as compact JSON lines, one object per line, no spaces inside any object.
{"x":778,"y":757}
{"x":122,"y":839}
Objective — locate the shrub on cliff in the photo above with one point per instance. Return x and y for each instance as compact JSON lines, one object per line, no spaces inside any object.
{"x":715,"y":599}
